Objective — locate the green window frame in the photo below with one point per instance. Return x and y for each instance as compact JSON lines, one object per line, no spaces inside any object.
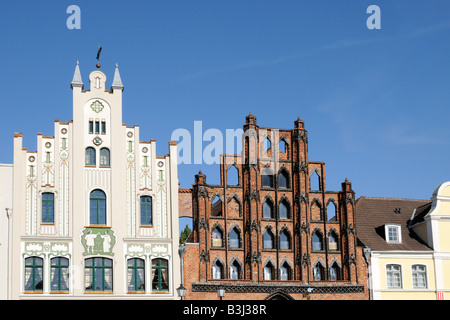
{"x":136,"y":275}
{"x":160,"y":272}
{"x":48,"y":207}
{"x":59,"y":274}
{"x":146,"y":210}
{"x":97,"y":211}
{"x":34,"y":281}
{"x":98,"y":275}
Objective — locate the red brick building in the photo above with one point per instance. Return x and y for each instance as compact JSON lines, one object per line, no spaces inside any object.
{"x":275,"y":232}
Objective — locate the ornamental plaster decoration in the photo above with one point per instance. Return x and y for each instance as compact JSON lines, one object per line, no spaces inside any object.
{"x":46,"y":249}
{"x":98,"y":241}
{"x":97,"y":106}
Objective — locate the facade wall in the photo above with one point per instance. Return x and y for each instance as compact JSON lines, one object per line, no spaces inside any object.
{"x":78,"y":232}
{"x":240,"y":208}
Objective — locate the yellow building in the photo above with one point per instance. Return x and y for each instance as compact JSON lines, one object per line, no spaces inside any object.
{"x":407,"y":246}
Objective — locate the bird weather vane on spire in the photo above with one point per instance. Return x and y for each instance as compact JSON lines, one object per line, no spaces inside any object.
{"x":98,"y":56}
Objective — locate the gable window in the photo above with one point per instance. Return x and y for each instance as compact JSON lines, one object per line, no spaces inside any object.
{"x":419,"y":276}
{"x":235,"y":270}
{"x":316,"y":240}
{"x":283,"y":181}
{"x":216,"y":207}
{"x":98,"y":274}
{"x":269,"y":271}
{"x":267,"y":177}
{"x":233,"y":238}
{"x":104,"y":157}
{"x":59,"y":274}
{"x":33,"y":274}
{"x":268,"y":209}
{"x":268,"y":239}
{"x":90,"y":157}
{"x":318,"y":272}
{"x":284,"y":210}
{"x":146,"y":211}
{"x":285,"y":240}
{"x":335,"y":272}
{"x":217,"y":270}
{"x":393,"y":234}
{"x":285,"y":271}
{"x":135,"y":276}
{"x":394,"y":276}
{"x":97,"y":207}
{"x":216,"y":237}
{"x":48,"y":206}
{"x":160,"y":272}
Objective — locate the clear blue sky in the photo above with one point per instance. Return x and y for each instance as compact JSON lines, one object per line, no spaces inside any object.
{"x":375,"y":102}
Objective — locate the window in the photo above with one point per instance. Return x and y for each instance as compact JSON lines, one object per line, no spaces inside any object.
{"x":269,"y":271}
{"x":318,"y":272}
{"x":91,"y":126}
{"x":282,"y":146}
{"x":98,"y":207}
{"x":285,"y":271}
{"x":48,"y":205}
{"x":267,"y":144}
{"x":217,"y":270}
{"x":59,"y":274}
{"x":146,"y":211}
{"x":314,"y":182}
{"x":317,"y":241}
{"x":331,"y":211}
{"x":285,"y":240}
{"x":90,"y":157}
{"x":233,"y":176}
{"x":335,"y":272}
{"x":160,"y":271}
{"x":136,"y":275}
{"x":235,"y":270}
{"x":33,"y":274}
{"x":216,"y":207}
{"x":103,"y":127}
{"x":393,"y":234}
{"x":233,"y":238}
{"x":267,"y":209}
{"x":104,"y":157}
{"x":267,"y":177}
{"x":97,"y":127}
{"x":268,"y":239}
{"x":419,"y":275}
{"x":98,"y":274}
{"x":332,"y":241}
{"x":216,"y":237}
{"x":283,"y":179}
{"x":284,"y":210}
{"x":394,"y":276}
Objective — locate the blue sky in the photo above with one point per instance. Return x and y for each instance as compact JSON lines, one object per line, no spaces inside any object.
{"x":375,"y":102}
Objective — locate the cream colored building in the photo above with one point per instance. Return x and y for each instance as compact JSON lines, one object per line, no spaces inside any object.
{"x":407,"y":246}
{"x":95,"y":210}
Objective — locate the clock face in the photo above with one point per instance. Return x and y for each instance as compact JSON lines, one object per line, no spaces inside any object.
{"x":97,"y":141}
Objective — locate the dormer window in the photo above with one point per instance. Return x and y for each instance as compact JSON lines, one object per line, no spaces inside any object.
{"x":393,"y":233}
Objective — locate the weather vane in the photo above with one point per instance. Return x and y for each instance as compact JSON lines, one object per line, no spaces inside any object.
{"x":98,"y":56}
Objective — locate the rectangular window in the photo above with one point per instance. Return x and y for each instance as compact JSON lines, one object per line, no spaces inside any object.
{"x":97,"y":127}
{"x":419,"y":275}
{"x":394,"y":276}
{"x":59,"y":274}
{"x":393,"y":234}
{"x":98,"y":274}
{"x":91,"y":126}
{"x":48,"y":205}
{"x":103,"y":127}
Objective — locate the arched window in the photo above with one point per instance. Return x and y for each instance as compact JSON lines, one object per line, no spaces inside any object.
{"x":233,"y":176}
{"x":160,"y":275}
{"x":283,"y":179}
{"x":217,"y":237}
{"x":59,"y":274}
{"x":136,"y":275}
{"x":217,"y":270}
{"x":269,"y":271}
{"x":98,"y":274}
{"x":90,"y":157}
{"x":335,"y":272}
{"x":268,"y":239}
{"x":97,"y":207}
{"x":318,"y":272}
{"x":333,"y":241}
{"x":282,"y":146}
{"x":48,"y":206}
{"x":267,"y":177}
{"x":267,"y":209}
{"x":285,"y":271}
{"x":34,"y":274}
{"x":285,"y":240}
{"x":104,"y":157}
{"x":316,"y":239}
{"x":314,"y":182}
{"x":233,"y":238}
{"x":331,"y":211}
{"x":146,"y":211}
{"x":284,"y":210}
{"x":267,"y":144}
{"x":216,"y":207}
{"x":235,"y":270}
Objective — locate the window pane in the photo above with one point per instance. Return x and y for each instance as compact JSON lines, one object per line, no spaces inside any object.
{"x":160,"y":275}
{"x":267,"y":209}
{"x":267,"y":180}
{"x":316,"y":242}
{"x":146,"y":210}
{"x":282,"y":180}
{"x":104,"y":157}
{"x":284,"y":241}
{"x":33,"y":274}
{"x":48,"y":208}
{"x":284,"y":210}
{"x":268,"y":240}
{"x":90,"y":157}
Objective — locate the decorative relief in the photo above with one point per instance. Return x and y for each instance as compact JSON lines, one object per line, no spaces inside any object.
{"x":98,"y":241}
{"x":46,"y":249}
{"x":97,"y":106}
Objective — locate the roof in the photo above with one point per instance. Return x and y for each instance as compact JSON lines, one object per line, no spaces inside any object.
{"x":372,"y":214}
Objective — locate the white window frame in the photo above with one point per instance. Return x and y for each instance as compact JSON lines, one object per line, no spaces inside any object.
{"x":398,"y":229}
{"x":400,"y":271}
{"x":425,"y":273}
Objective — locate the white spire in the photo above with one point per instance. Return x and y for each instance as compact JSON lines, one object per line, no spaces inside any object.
{"x":117,"y":82}
{"x":77,"y":81}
